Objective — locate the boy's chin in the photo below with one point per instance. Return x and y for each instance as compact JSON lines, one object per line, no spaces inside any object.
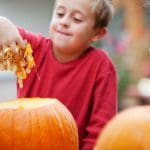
{"x":61,"y":45}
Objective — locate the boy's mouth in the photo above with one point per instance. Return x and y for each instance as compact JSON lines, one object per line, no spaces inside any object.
{"x":63,"y":33}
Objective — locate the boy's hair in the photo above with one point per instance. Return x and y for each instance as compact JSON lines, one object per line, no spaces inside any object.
{"x":103,"y":10}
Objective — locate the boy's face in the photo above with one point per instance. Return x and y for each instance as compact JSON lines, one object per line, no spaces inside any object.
{"x":71,"y":27}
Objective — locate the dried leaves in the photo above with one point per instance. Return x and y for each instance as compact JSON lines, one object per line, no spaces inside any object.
{"x":21,"y":61}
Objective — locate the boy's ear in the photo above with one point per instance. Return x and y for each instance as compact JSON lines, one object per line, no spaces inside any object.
{"x":100,"y":33}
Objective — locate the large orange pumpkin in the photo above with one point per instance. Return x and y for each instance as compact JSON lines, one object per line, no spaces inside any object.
{"x":37,"y":124}
{"x":129,"y":130}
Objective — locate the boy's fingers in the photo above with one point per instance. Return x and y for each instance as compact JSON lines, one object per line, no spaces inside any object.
{"x":21,"y":43}
{"x":25,"y":41}
{"x":13,"y":46}
{"x":1,"y":47}
{"x":4,"y":47}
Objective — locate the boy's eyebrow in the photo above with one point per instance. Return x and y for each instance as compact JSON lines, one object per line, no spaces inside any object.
{"x":80,"y":12}
{"x":75,"y":10}
{"x":59,"y":6}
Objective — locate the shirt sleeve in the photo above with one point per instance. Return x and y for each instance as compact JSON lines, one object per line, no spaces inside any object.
{"x":104,"y":105}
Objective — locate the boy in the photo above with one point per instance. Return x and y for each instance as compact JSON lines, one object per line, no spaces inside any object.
{"x":79,"y":75}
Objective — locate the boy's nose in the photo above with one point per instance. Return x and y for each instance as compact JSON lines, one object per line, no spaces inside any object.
{"x":65,"y":22}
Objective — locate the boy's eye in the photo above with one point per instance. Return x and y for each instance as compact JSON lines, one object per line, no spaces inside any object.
{"x":59,"y":14}
{"x":77,"y":20}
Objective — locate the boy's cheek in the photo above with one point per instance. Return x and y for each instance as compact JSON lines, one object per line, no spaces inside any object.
{"x":52,"y":27}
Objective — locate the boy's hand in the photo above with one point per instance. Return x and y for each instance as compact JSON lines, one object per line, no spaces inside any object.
{"x":9,"y":35}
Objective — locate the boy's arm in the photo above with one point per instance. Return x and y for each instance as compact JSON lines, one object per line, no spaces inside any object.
{"x":103,"y":109}
{"x":9,"y":34}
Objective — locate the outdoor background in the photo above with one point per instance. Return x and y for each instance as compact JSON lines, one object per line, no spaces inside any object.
{"x":127,"y":43}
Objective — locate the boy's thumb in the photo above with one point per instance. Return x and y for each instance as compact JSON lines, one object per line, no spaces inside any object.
{"x":21,"y":42}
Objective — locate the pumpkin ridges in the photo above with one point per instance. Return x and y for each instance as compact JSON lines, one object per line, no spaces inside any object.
{"x":59,"y":129}
{"x":47,"y":126}
{"x":45,"y":129}
{"x":54,"y":122}
{"x":70,"y":130}
{"x":56,"y":127}
{"x":30,"y":130}
{"x":62,"y":129}
{"x":21,"y":129}
{"x":12,"y":131}
{"x":35,"y":136}
{"x":5,"y":128}
{"x":64,"y":132}
{"x":74,"y":128}
{"x":39,"y":130}
{"x":51,"y":126}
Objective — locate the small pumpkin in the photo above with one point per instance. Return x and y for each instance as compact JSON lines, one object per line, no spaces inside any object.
{"x":37,"y":124}
{"x":129,"y":130}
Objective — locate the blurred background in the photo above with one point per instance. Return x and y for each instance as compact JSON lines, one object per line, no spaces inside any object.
{"x":128,"y":44}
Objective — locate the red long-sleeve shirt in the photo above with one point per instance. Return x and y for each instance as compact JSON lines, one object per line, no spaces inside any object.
{"x":87,"y":86}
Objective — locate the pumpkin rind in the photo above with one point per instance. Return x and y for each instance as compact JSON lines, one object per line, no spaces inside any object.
{"x":129,"y":130}
{"x":46,"y":127}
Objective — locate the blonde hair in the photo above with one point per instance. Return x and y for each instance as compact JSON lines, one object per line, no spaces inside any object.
{"x":103,"y":10}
